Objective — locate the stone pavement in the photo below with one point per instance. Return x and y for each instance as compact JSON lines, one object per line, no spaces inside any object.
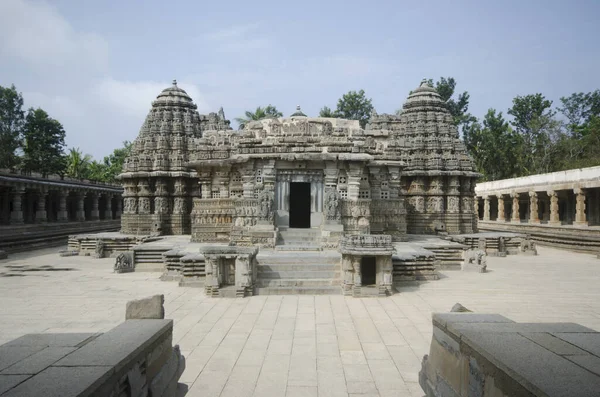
{"x":295,"y":345}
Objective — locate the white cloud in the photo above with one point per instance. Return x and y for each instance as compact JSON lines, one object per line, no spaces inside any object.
{"x":35,"y":33}
{"x":135,"y":97}
{"x":237,"y":38}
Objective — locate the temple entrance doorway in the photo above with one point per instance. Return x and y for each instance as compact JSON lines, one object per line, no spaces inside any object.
{"x":300,"y":205}
{"x":228,"y":272}
{"x":368,"y":270}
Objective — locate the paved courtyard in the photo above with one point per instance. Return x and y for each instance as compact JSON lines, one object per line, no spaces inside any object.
{"x":295,"y":345}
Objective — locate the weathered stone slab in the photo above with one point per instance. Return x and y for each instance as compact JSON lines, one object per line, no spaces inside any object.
{"x":587,"y":361}
{"x":146,"y":308}
{"x":589,"y":342}
{"x":457,"y":328}
{"x":37,"y":362}
{"x":3,"y":254}
{"x":120,"y":344}
{"x":7,"y":382}
{"x":444,"y":318}
{"x":54,"y":340}
{"x":533,"y":366}
{"x":10,"y":355}
{"x":553,"y":343}
{"x":62,"y":382}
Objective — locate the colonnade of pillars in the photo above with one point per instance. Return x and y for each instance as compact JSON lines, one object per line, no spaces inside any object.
{"x":578,"y":207}
{"x":33,"y":204}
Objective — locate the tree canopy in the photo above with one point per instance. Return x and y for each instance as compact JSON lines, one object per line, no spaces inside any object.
{"x":259,"y":114}
{"x":353,"y":105}
{"x":12,"y":120}
{"x":43,"y":144}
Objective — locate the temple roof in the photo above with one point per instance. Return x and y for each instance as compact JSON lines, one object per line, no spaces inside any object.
{"x":298,"y":112}
{"x":174,"y":96}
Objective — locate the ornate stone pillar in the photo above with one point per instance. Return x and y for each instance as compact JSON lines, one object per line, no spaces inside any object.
{"x":63,"y":215}
{"x":205,"y":181}
{"x":16,"y":215}
{"x":580,"y":217}
{"x":80,"y":213}
{"x":486,"y":208}
{"x":144,"y":197}
{"x":501,"y":217}
{"x":357,"y":273}
{"x":95,"y":213}
{"x":554,"y":214}
{"x":180,"y":201}
{"x":41,"y":216}
{"x":515,"y":218}
{"x":119,"y":210}
{"x":354,"y":174}
{"x":248,"y":179}
{"x":476,"y":207}
{"x":394,"y":173}
{"x":223,"y":178}
{"x":108,"y":209}
{"x":533,"y":208}
{"x":161,"y":202}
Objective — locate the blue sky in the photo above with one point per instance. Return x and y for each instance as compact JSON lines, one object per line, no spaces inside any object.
{"x":96,"y":66}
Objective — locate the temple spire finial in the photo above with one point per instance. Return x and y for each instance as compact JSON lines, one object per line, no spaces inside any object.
{"x":175,"y":82}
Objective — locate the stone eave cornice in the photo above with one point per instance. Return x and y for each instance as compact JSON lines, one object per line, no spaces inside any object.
{"x":157,"y":174}
{"x":242,"y":158}
{"x":25,"y":182}
{"x":470,"y":174}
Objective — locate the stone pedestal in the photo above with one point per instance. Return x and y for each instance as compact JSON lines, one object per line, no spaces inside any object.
{"x":80,"y":213}
{"x":580,"y":217}
{"x":95,"y":213}
{"x":40,"y":214}
{"x":108,"y":209}
{"x":533,"y":208}
{"x":486,"y":208}
{"x":554,"y":214}
{"x":501,"y":217}
{"x":515,"y":218}
{"x":16,"y":215}
{"x":62,"y":215}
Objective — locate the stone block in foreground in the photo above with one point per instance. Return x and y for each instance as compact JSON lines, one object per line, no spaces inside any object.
{"x":146,"y":308}
{"x":483,"y":355}
{"x":136,"y":358}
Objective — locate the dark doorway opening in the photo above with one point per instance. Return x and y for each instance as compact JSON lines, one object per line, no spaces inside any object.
{"x":300,"y":204}
{"x":368,"y":270}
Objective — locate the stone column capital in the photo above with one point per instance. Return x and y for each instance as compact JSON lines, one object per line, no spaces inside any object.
{"x":551,"y":193}
{"x":578,"y":190}
{"x":532,"y":194}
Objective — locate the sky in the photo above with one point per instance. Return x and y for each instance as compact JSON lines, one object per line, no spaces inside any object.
{"x":96,"y":66}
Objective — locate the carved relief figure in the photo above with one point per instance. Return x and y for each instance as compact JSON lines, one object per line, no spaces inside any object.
{"x":332,"y":211}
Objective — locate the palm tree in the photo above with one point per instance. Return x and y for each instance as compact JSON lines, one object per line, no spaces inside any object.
{"x":259,"y":114}
{"x":78,"y":164}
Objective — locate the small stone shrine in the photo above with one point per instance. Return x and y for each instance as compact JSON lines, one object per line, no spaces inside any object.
{"x":367,"y":265}
{"x":230,"y":271}
{"x":192,"y":174}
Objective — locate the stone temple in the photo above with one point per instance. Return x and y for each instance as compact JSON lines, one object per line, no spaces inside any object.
{"x":281,"y":179}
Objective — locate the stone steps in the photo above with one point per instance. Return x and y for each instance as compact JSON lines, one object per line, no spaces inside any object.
{"x":292,"y":282}
{"x":291,"y":274}
{"x":298,"y":275}
{"x":298,"y":247}
{"x":332,"y":290}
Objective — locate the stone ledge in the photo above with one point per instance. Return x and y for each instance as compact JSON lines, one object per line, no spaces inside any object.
{"x":489,"y":355}
{"x":137,"y":356}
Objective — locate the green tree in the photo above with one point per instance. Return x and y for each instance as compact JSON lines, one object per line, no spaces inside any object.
{"x":579,"y":109}
{"x":327,"y":112}
{"x":495,"y":147}
{"x":114,"y":162}
{"x":97,"y":171}
{"x":78,"y":164}
{"x":44,"y":142}
{"x":446,"y":87}
{"x":533,"y":119}
{"x":355,"y":106}
{"x":12,"y":120}
{"x":259,"y":114}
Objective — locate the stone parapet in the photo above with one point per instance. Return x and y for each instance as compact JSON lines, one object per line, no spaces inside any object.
{"x":488,"y":355}
{"x":136,"y":358}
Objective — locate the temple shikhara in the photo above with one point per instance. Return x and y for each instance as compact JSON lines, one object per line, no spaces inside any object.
{"x":282,"y":181}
